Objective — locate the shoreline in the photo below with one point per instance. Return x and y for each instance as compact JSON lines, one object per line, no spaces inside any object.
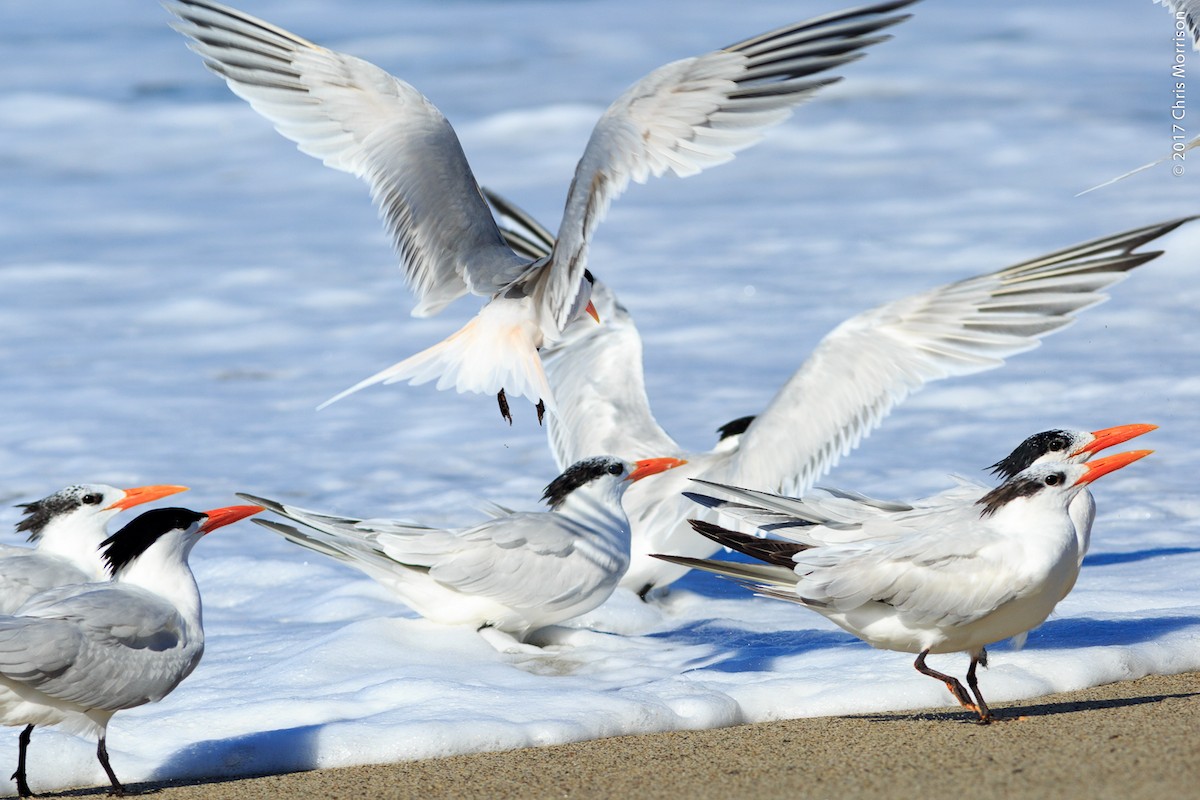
{"x":1129,"y":739}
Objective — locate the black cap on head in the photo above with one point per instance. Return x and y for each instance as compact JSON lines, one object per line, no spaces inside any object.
{"x":580,"y":474}
{"x":135,"y":538}
{"x":1031,"y":450}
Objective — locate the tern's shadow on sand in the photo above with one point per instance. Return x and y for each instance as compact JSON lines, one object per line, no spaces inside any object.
{"x":253,"y":755}
{"x":1015,"y":711}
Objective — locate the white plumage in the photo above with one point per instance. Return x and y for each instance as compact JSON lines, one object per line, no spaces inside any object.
{"x":939,"y":576}
{"x":681,"y":118}
{"x":845,"y":388}
{"x":515,"y":572}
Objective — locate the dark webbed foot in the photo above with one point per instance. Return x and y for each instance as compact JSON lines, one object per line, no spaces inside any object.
{"x":19,"y":776}
{"x":956,"y":688}
{"x":102,"y":755}
{"x":503,"y":401}
{"x":985,"y":716}
{"x":541,"y":409}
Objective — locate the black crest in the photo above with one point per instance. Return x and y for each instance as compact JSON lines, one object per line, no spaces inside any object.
{"x":39,"y":513}
{"x":131,"y":541}
{"x":1031,"y":450}
{"x":579,"y":474}
{"x":1019,"y":487}
{"x":734,"y":428}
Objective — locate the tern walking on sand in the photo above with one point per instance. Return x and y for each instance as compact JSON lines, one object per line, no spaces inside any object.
{"x":75,"y":655}
{"x":929,"y":579}
{"x":682,"y":118}
{"x":843,"y":391}
{"x":66,"y":530}
{"x":514,"y":573}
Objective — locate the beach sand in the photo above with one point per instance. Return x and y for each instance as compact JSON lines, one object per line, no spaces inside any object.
{"x":1134,"y":739}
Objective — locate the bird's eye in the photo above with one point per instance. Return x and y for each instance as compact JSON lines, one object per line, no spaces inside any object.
{"x":615,"y":469}
{"x":1057,"y":444}
{"x":92,"y":499}
{"x":1055,"y":479}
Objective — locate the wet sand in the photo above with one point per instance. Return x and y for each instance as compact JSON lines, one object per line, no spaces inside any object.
{"x":1134,"y":739}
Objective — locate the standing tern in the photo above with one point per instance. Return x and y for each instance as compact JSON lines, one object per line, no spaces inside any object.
{"x":931,"y":580}
{"x":682,"y":117}
{"x":514,"y":573}
{"x":841,"y":510}
{"x":75,"y":655}
{"x":845,"y":388}
{"x":66,"y":530}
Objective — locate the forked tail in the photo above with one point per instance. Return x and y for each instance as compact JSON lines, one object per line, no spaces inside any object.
{"x":494,"y":351}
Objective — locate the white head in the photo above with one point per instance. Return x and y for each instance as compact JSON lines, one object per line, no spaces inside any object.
{"x":1064,"y":447}
{"x":1051,"y":484}
{"x":605,"y":476}
{"x":71,"y":522}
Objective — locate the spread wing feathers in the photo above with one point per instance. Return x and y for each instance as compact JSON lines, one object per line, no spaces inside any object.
{"x":357,"y":118}
{"x":697,"y":112}
{"x":874,"y":360}
{"x":25,"y":572}
{"x":82,"y":648}
{"x":526,"y":236}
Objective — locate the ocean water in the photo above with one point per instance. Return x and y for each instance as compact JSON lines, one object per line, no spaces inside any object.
{"x":180,"y":288}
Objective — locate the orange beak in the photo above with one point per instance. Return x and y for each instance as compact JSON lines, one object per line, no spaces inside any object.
{"x":144,"y":494}
{"x":220,"y":517}
{"x":653,"y":466}
{"x":592,"y":312}
{"x":1103,"y":466}
{"x":1110,"y":436}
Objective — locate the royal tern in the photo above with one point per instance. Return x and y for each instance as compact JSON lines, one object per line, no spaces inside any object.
{"x":1186,"y":14}
{"x":931,"y":580}
{"x":682,"y":117}
{"x":842,"y":510}
{"x":75,"y":655}
{"x":514,"y":573}
{"x":66,"y":530}
{"x":849,"y":383}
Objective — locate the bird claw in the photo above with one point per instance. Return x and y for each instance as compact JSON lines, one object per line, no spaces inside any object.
{"x":503,"y":401}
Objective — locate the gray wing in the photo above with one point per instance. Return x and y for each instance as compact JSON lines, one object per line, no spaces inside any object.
{"x":357,"y":118}
{"x":25,"y":572}
{"x":932,"y":572}
{"x":692,"y":114}
{"x":875,"y":360}
{"x":105,"y":646}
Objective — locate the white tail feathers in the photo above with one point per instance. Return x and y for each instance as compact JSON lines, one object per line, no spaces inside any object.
{"x":498,"y":349}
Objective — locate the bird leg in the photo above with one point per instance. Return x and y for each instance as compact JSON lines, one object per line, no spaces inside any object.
{"x":985,"y":716}
{"x":541,"y":409}
{"x":952,"y":683}
{"x":19,"y":776}
{"x":503,"y":401}
{"x":102,"y":755}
